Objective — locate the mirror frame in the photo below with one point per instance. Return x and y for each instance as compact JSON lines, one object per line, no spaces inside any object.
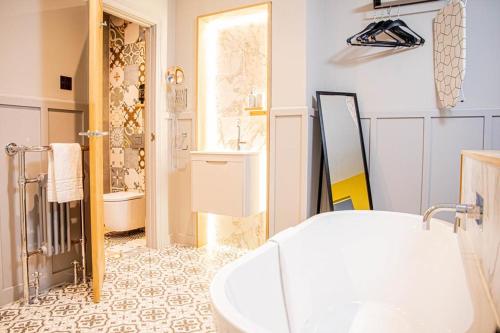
{"x":324,"y":157}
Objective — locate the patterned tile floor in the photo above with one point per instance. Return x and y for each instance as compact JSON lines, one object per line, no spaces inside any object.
{"x":144,"y":290}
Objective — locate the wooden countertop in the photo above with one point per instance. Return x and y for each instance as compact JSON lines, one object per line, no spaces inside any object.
{"x":487,"y":156}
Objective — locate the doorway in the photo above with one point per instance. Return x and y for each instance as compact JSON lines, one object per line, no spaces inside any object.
{"x":124,"y":116}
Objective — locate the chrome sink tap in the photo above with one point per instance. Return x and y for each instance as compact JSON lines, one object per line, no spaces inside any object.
{"x":461,"y":210}
{"x":238,"y":125}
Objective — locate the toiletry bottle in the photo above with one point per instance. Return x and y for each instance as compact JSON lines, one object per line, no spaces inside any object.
{"x":252,"y":100}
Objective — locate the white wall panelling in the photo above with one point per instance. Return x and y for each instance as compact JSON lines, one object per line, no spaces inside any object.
{"x":288,"y":167}
{"x":495,"y":138}
{"x":398,"y":143}
{"x":448,"y":137}
{"x":414,"y":157}
{"x":25,"y":121}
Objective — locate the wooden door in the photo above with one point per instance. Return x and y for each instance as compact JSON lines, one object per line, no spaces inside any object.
{"x":95,"y":135}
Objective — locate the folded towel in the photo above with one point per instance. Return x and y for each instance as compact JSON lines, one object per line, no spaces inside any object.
{"x":64,"y":181}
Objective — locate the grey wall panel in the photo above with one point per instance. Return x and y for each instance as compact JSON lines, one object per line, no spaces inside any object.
{"x":495,"y":144}
{"x":22,"y":126}
{"x":449,"y":136}
{"x":287,"y":157}
{"x":396,"y":175}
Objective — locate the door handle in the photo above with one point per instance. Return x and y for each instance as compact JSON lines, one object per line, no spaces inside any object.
{"x":93,"y":134}
{"x":216,"y":162}
{"x":153,"y":137}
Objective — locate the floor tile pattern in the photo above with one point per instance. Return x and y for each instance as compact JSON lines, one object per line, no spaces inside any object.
{"x":144,"y":290}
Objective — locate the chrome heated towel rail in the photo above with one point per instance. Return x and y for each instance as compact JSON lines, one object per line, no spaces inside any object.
{"x":48,"y":243}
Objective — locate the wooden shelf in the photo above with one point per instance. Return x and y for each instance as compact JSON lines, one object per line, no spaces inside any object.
{"x":259,"y":111}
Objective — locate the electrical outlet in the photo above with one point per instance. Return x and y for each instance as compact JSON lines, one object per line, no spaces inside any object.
{"x":66,"y":82}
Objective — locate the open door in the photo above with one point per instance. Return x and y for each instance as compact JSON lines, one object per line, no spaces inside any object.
{"x":95,"y":135}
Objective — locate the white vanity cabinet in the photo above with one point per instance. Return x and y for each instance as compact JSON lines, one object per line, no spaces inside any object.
{"x":225,"y":183}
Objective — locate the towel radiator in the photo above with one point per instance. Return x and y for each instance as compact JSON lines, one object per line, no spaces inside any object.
{"x":51,"y":215}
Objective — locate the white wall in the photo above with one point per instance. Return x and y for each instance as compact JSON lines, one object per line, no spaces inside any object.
{"x":413,"y":168}
{"x":42,"y":42}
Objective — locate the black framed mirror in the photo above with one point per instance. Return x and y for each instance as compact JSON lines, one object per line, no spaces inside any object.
{"x":343,"y":152}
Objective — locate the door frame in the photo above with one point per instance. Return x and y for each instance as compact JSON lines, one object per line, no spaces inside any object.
{"x":155,"y":237}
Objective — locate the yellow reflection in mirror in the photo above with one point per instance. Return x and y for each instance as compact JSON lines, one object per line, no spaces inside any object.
{"x":353,"y":188}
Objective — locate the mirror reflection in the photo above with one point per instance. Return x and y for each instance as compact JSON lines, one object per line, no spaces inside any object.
{"x":344,"y":158}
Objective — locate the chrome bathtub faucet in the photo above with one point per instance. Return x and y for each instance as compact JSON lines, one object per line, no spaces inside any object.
{"x":461,"y":210}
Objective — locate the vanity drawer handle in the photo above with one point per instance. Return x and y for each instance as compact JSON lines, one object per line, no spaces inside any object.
{"x":216,"y":162}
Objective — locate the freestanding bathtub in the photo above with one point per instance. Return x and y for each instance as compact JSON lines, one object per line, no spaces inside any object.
{"x":352,"y":271}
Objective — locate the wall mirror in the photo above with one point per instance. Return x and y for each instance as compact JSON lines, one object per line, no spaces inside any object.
{"x":343,"y":153}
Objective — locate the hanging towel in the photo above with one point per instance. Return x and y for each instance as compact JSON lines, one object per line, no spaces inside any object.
{"x":64,"y":181}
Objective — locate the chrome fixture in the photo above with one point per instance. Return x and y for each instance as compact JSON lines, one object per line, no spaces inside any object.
{"x":36,"y":285}
{"x":75,"y":272}
{"x":238,"y":125}
{"x":461,"y":210}
{"x":12,"y":149}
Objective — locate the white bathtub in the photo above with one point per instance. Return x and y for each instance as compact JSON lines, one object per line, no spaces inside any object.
{"x":363,"y":271}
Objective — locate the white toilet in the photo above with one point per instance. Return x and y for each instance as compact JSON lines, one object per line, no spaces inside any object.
{"x":124,"y":211}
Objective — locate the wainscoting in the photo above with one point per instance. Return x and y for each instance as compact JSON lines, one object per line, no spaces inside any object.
{"x":29,"y":121}
{"x":289,"y":162}
{"x":414,"y":158}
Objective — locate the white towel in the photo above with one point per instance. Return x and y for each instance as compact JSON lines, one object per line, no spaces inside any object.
{"x":64,"y":181}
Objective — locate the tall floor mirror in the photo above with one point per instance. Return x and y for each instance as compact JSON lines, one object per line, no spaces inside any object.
{"x":344,"y":165}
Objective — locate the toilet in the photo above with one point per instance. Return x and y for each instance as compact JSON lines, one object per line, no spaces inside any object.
{"x":124,"y":211}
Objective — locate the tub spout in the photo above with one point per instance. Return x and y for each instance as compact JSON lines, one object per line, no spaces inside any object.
{"x":471,"y":211}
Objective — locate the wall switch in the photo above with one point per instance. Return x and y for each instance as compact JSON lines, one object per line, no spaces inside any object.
{"x":66,"y":82}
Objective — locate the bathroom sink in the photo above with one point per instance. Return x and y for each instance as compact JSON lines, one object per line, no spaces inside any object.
{"x":225,"y":182}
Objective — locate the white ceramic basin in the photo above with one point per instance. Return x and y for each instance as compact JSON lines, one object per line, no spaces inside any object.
{"x":352,"y":271}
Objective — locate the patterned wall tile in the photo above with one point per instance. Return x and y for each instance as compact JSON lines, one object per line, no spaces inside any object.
{"x":127,"y":73}
{"x":135,"y":141}
{"x":116,"y":116}
{"x":131,"y":33}
{"x":131,"y":96}
{"x":116,"y":97}
{"x":117,"y":179}
{"x":131,"y":158}
{"x":117,"y":158}
{"x":116,"y":138}
{"x":131,"y":75}
{"x":142,"y":158}
{"x":134,"y":53}
{"x":142,"y":73}
{"x":116,"y":77}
